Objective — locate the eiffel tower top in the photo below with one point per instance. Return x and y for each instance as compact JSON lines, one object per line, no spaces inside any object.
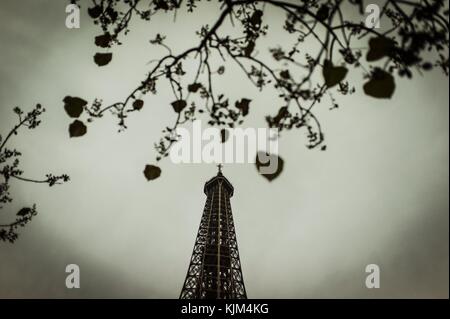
{"x":214,"y":271}
{"x":219,"y":178}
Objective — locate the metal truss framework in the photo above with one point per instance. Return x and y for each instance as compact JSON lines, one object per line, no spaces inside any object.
{"x":215,"y":270}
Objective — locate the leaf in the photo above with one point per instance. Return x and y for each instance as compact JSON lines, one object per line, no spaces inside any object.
{"x":381,"y":84}
{"x":102,"y":59}
{"x":161,"y":4}
{"x":103,"y":40}
{"x":379,"y":47}
{"x":224,"y":134}
{"x":112,"y":14}
{"x":179,"y":105}
{"x":323,"y":12}
{"x":272,"y":159}
{"x":285,"y":74}
{"x":24,"y":212}
{"x":77,"y":129}
{"x":138,"y":104}
{"x":243,"y":105}
{"x":95,"y":12}
{"x":194,"y":87}
{"x":427,"y":66}
{"x":74,"y":106}
{"x":256,"y":18}
{"x":152,"y":172}
{"x":333,"y":74}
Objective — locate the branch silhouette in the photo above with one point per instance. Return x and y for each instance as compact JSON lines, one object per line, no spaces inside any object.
{"x":414,"y":40}
{"x":9,"y":169}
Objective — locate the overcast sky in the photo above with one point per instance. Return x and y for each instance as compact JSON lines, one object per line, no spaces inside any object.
{"x":379,"y":194}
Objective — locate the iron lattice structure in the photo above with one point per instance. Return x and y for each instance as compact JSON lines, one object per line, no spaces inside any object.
{"x":215,"y":270}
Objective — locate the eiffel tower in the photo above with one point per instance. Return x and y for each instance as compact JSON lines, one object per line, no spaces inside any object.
{"x":215,"y":270}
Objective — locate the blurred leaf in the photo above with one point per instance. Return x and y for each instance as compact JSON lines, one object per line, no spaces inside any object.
{"x":333,"y":74}
{"x":378,"y":48}
{"x":24,"y":212}
{"x":138,"y":104}
{"x":179,"y":105}
{"x":111,"y":13}
{"x":285,"y":74}
{"x":323,"y":13}
{"x":77,"y":129}
{"x":152,"y":172}
{"x":103,"y":40}
{"x":427,"y":66}
{"x":102,"y":59}
{"x":95,"y":12}
{"x":74,"y":106}
{"x":161,"y":4}
{"x":256,"y":18}
{"x":194,"y":87}
{"x":272,"y":159}
{"x":243,"y":105}
{"x":381,"y":84}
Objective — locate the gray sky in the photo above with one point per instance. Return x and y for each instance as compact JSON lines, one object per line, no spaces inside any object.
{"x":379,"y":194}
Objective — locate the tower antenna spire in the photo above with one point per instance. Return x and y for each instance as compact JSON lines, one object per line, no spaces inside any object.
{"x":220,"y":168}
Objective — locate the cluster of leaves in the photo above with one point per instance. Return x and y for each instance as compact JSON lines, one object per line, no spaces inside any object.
{"x":9,"y":232}
{"x":415,"y":38}
{"x":9,"y":170}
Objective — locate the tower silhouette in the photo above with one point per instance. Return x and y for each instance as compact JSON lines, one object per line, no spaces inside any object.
{"x":215,"y":270}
